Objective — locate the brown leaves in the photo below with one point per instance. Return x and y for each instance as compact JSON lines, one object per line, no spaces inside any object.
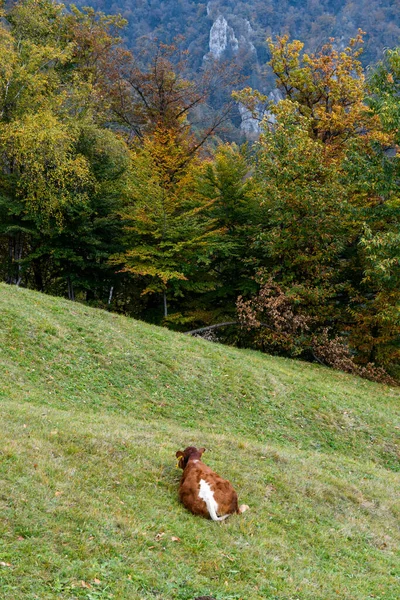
{"x":284,"y":323}
{"x":332,"y":351}
{"x":87,"y":585}
{"x":161,"y":536}
{"x":288,"y":329}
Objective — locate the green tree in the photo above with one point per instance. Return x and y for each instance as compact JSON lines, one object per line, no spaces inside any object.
{"x":75,"y":254}
{"x":169,"y":236}
{"x":326,"y":181}
{"x":227,"y":181}
{"x":61,"y":172}
{"x":308,"y":212}
{"x":384,"y":91}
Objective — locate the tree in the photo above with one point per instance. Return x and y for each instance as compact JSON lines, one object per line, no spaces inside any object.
{"x":308,"y":213}
{"x":150,"y":91}
{"x":326,"y":181}
{"x":75,"y":253}
{"x":328,"y":88}
{"x":59,"y":168}
{"x":169,"y":236}
{"x":384,"y":89}
{"x":226,"y":180}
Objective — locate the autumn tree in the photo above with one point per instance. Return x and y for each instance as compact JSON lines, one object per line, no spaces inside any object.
{"x":379,"y":317}
{"x":169,"y":236}
{"x":151,"y":90}
{"x":328,"y":187}
{"x":52,"y":146}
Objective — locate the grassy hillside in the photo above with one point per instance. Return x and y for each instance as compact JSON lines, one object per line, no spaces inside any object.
{"x":93,"y":408}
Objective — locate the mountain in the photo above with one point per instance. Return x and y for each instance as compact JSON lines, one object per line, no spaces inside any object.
{"x":237,"y":31}
{"x":226,"y":28}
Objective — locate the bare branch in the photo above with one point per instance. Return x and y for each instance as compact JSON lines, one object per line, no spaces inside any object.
{"x":219,"y":325}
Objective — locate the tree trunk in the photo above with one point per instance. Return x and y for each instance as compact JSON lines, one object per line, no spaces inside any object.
{"x":89,"y":295}
{"x":71,"y":294}
{"x":18,"y":256}
{"x":225,"y":324}
{"x":15,"y":255}
{"x":165,"y":304}
{"x":110,"y":294}
{"x":38,"y":275}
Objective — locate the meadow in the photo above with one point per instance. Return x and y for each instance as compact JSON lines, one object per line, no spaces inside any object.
{"x":93,"y":408}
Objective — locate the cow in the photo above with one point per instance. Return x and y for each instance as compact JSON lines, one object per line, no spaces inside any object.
{"x":202,"y":491}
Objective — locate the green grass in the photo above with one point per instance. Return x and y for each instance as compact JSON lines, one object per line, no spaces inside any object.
{"x":93,"y":408}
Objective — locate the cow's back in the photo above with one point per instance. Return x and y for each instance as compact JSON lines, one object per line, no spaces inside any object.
{"x":189,"y":490}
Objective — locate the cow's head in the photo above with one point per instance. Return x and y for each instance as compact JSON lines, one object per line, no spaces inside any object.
{"x":189,"y":452}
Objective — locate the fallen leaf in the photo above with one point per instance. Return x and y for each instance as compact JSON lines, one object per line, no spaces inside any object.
{"x":4,"y":564}
{"x":228,"y":557}
{"x":269,"y":489}
{"x":58,"y":494}
{"x":96,"y":581}
{"x":85,"y":585}
{"x":175,"y":539}
{"x":159,"y":536}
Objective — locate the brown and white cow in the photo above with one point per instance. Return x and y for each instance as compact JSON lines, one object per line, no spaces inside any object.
{"x":204,"y":492}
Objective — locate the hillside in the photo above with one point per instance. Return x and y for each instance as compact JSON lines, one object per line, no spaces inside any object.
{"x":227,"y":29}
{"x":236,"y":33}
{"x":94,"y":406}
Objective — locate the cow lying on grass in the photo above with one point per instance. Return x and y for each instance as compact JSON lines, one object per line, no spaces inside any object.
{"x":204,"y":492}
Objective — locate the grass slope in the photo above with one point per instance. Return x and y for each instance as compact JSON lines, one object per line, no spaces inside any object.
{"x":93,"y":408}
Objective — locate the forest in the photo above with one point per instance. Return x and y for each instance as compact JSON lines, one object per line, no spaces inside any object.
{"x":237,"y":32}
{"x":252,"y":21}
{"x":118,"y":187}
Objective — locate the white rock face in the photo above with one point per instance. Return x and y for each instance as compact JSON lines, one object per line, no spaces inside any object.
{"x":249,"y":125}
{"x":275,"y":96}
{"x":247,"y":39}
{"x":221,"y":37}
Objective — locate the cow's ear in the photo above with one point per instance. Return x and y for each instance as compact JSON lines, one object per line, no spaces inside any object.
{"x":202,"y":450}
{"x":180,"y":460}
